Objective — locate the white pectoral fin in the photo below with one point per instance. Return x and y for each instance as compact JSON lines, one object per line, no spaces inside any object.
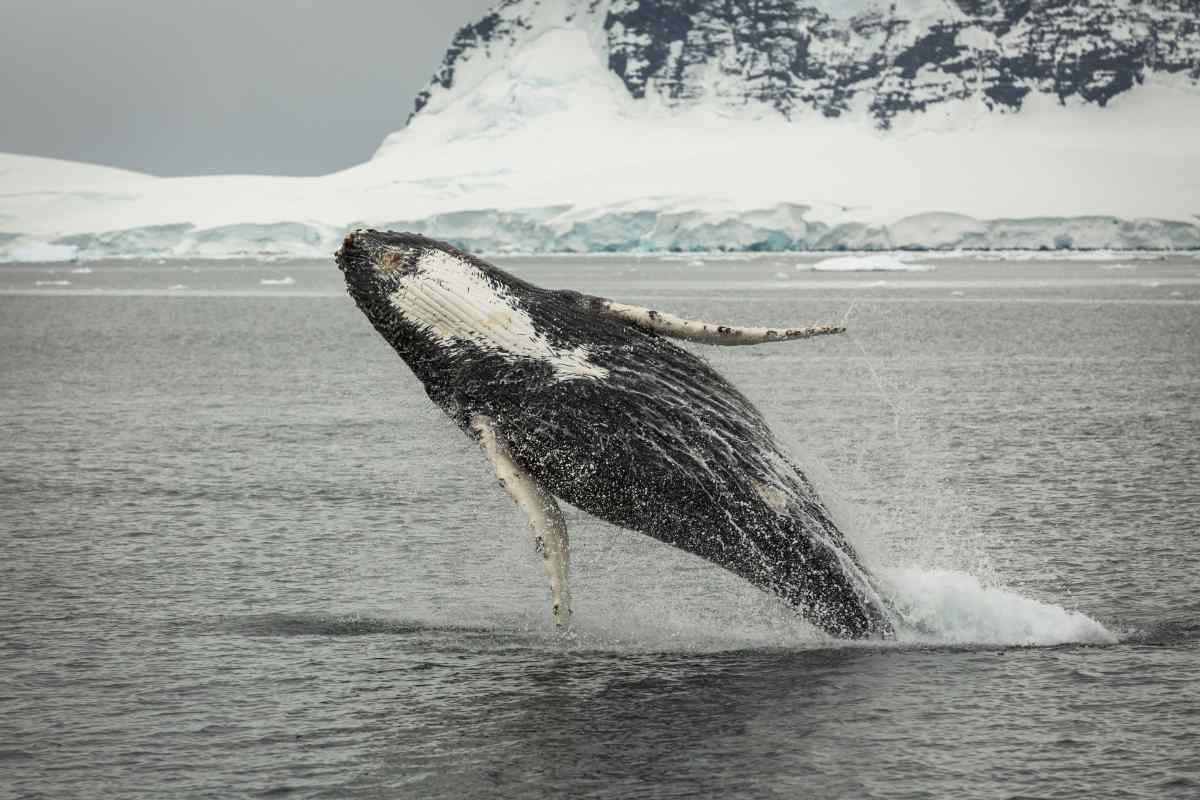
{"x":706,"y":332}
{"x":545,"y":518}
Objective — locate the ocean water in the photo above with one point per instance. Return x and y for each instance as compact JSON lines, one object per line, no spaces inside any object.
{"x":243,"y":555}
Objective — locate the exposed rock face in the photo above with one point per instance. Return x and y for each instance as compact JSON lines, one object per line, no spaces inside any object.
{"x":834,"y":57}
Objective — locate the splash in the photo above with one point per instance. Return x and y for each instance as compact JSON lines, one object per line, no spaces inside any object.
{"x":948,"y":607}
{"x":920,"y":539}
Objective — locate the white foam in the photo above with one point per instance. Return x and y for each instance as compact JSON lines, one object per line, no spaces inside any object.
{"x":942,"y":606}
{"x":288,"y":281}
{"x":53,"y":283}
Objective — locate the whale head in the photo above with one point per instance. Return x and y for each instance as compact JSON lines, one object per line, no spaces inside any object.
{"x":433,"y":302}
{"x":378,"y":265}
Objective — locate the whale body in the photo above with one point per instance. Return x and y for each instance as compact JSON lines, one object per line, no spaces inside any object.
{"x":589,"y":401}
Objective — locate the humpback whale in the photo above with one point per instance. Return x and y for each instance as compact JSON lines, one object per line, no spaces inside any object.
{"x":589,"y":401}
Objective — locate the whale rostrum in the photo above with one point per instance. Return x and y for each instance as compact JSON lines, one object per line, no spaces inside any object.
{"x":587,"y":400}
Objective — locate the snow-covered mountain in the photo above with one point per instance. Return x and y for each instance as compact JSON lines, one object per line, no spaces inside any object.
{"x":836,"y":57}
{"x":720,"y":124}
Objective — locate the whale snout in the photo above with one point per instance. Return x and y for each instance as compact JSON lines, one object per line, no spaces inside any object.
{"x":353,"y":249}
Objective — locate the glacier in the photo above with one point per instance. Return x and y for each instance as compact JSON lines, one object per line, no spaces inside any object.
{"x":533,"y":143}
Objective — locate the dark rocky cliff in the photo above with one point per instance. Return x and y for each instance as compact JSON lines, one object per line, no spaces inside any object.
{"x":888,"y":59}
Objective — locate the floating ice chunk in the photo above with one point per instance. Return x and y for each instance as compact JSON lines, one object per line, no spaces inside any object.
{"x":872,"y":262}
{"x":288,"y":281}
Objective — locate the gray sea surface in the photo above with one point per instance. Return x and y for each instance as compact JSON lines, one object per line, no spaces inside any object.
{"x":244,"y":555}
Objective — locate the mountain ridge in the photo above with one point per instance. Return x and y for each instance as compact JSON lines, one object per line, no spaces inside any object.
{"x":800,"y":56}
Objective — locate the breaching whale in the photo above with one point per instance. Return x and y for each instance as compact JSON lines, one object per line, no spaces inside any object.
{"x":587,"y":400}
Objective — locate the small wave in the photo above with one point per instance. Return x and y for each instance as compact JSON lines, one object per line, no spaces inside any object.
{"x":941,"y":606}
{"x":319,"y":625}
{"x":176,"y":287}
{"x":53,"y":283}
{"x":1068,"y":255}
{"x":82,"y":271}
{"x":288,"y":281}
{"x":1160,"y":633}
{"x":283,"y":624}
{"x":874,"y":262}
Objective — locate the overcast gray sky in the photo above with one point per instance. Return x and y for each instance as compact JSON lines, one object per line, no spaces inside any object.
{"x":175,"y":87}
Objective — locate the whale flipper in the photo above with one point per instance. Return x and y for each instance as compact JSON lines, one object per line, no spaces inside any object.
{"x":706,"y":332}
{"x":545,"y":518}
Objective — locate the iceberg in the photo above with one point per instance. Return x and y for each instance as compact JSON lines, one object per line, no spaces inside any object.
{"x":875,"y":262}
